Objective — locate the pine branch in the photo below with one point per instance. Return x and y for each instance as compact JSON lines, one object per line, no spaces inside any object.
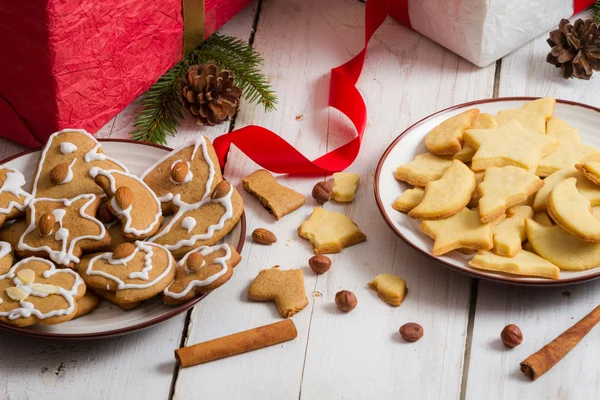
{"x":596,"y":11}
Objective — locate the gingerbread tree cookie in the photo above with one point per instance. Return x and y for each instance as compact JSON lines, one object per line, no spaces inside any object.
{"x":62,"y":229}
{"x":13,"y":199}
{"x":201,"y":271}
{"x":35,"y":291}
{"x":131,"y":201}
{"x":188,"y":173}
{"x":65,"y":162}
{"x":284,"y":287}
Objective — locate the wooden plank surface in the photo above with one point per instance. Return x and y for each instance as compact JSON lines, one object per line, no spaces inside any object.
{"x":541,"y":313}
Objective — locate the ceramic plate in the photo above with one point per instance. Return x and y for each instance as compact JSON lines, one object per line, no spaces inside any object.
{"x":411,"y":142}
{"x":108,"y":319}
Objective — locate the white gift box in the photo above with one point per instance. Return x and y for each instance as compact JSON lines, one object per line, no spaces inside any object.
{"x":483,"y":31}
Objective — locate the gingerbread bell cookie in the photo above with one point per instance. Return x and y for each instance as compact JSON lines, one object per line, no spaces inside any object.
{"x":131,"y":201}
{"x":187,"y":174}
{"x":35,"y":291}
{"x":133,"y":272}
{"x":64,"y":167}
{"x":201,"y":271}
{"x":13,"y":199}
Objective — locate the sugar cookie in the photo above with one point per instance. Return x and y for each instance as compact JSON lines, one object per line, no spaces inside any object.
{"x":390,"y":288}
{"x":566,"y":155}
{"x":409,"y":199}
{"x":481,"y":121}
{"x":532,"y":115}
{"x":474,"y":202}
{"x":422,"y":169}
{"x":277,"y":199}
{"x":448,"y":195}
{"x":523,"y":263}
{"x":446,"y":138}
{"x":329,"y":231}
{"x":345,"y":185}
{"x":584,"y":186}
{"x":510,"y":232}
{"x":543,"y":218}
{"x":284,"y":287}
{"x":543,"y":105}
{"x":591,"y":170}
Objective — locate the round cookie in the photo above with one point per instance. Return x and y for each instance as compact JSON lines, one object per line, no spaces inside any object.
{"x":85,"y":305}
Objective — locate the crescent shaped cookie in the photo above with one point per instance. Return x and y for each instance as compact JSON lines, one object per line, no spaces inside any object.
{"x":131,"y":201}
{"x":13,"y":199}
{"x":558,"y":246}
{"x":200,"y":271}
{"x":65,"y":162}
{"x":422,"y":169}
{"x":569,"y":209}
{"x":591,"y":170}
{"x":446,"y":138}
{"x":448,"y":195}
{"x":409,"y":199}
{"x":589,"y":190}
{"x":189,"y":173}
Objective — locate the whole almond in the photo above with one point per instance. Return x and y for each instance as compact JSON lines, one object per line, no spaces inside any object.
{"x":263,"y":236}
{"x":194,"y":261}
{"x":322,"y":192}
{"x":220,"y":190}
{"x":319,"y":263}
{"x":179,"y":171}
{"x":123,"y":250}
{"x":46,"y":224}
{"x":59,"y":173}
{"x":124,"y":197}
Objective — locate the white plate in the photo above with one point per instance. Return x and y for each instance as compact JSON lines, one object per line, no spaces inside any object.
{"x":108,"y":319}
{"x":411,"y":142}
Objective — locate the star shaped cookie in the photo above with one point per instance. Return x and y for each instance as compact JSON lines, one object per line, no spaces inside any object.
{"x":556,"y":127}
{"x":509,"y":144}
{"x":462,"y":230}
{"x":510,"y":232}
{"x":567,"y":154}
{"x":481,"y":121}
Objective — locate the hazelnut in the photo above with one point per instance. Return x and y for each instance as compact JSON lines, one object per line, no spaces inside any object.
{"x":104,"y":215}
{"x":264,"y":236}
{"x":511,"y":336}
{"x":319,"y":263}
{"x":345,"y":300}
{"x":411,"y":332}
{"x":322,"y":192}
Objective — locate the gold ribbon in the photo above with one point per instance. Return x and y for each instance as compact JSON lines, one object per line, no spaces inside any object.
{"x":193,"y":25}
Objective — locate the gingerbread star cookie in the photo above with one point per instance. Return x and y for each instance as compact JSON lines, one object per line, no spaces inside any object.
{"x":131,"y":201}
{"x":203,"y":223}
{"x":509,"y":144}
{"x":34,"y":291}
{"x":523,"y":263}
{"x":62,"y":229}
{"x":569,"y":209}
{"x":284,"y":287}
{"x":510,"y":232}
{"x":446,"y":138}
{"x":65,"y":162}
{"x":462,"y":230}
{"x":329,"y":231}
{"x":561,"y":248}
{"x":481,"y":121}
{"x":587,"y":189}
{"x":409,"y":199}
{"x":448,"y":195}
{"x":200,"y":271}
{"x":188,"y":173}
{"x":503,"y":188}
{"x":13,"y":199}
{"x":422,"y":169}
{"x":566,"y":155}
{"x":591,"y":170}
{"x":134,"y":272}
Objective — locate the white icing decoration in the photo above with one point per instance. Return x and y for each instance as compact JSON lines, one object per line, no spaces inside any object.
{"x":5,"y":249}
{"x":27,"y":309}
{"x":203,"y":250}
{"x":67,"y":147}
{"x":142,"y":275}
{"x":69,"y":176}
{"x":225,"y":201}
{"x":188,"y":176}
{"x":91,"y":156}
{"x":64,"y":256}
{"x":12,"y":184}
{"x":127,"y":228}
{"x":200,"y":141}
{"x":188,"y":223}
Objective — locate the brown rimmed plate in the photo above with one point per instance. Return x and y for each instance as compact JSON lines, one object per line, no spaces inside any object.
{"x":109,"y":320}
{"x":411,"y":142}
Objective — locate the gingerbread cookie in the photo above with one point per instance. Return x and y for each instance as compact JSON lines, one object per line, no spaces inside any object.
{"x":188,"y":173}
{"x":523,"y":263}
{"x":85,"y":305}
{"x":277,"y":199}
{"x":284,"y":287}
{"x":64,"y":167}
{"x":422,"y":169}
{"x":329,"y":231}
{"x":13,"y":199}
{"x":447,"y":137}
{"x":6,"y":257}
{"x":62,"y":229}
{"x":134,"y":272}
{"x":35,"y":291}
{"x":131,"y":201}
{"x":201,"y":271}
{"x":345,"y":185}
{"x":111,"y":297}
{"x":203,"y":223}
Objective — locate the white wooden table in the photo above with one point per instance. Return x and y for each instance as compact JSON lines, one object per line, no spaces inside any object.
{"x":339,"y":356}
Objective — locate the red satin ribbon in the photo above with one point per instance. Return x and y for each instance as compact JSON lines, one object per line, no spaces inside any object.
{"x":272,"y":152}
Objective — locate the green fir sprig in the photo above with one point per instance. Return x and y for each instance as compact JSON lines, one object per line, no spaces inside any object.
{"x":596,"y":11}
{"x":160,"y":108}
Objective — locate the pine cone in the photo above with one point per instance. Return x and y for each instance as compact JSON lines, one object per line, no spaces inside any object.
{"x":575,"y":48}
{"x":209,"y":95}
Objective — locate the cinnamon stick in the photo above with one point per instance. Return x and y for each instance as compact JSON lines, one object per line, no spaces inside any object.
{"x":539,"y":363}
{"x":237,"y":343}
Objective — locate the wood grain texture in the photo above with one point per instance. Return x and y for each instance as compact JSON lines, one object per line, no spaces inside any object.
{"x":541,"y":313}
